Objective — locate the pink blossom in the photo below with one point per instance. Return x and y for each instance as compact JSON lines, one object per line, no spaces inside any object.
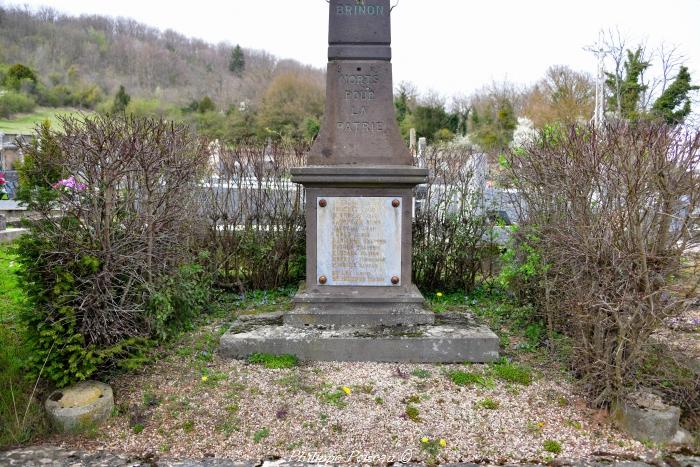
{"x":70,"y":183}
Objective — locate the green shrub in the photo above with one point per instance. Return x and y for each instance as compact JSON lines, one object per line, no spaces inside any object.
{"x":60,"y":352}
{"x":178,"y":299}
{"x":12,"y":102}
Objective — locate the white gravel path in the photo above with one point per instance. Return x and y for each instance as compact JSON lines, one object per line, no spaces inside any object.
{"x":289,"y":411}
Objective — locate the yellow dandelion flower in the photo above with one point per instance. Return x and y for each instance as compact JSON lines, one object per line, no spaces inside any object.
{"x":205,"y":378}
{"x":443,"y":443}
{"x":540,"y":424}
{"x":438,"y":295}
{"x":424,"y":439}
{"x":347,"y":390}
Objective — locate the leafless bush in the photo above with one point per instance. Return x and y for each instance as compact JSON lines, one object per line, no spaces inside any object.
{"x":120,"y":220}
{"x":611,"y":212}
{"x":256,"y":216}
{"x":450,"y":233}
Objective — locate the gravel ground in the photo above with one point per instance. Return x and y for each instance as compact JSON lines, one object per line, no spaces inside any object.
{"x":195,"y":405}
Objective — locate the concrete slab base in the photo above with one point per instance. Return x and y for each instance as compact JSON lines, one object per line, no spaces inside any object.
{"x":453,"y":338}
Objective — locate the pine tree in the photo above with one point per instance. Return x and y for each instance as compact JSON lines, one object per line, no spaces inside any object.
{"x":674,"y":96}
{"x":206,"y":105}
{"x":630,"y":88}
{"x":237,"y":63}
{"x":121,"y":100}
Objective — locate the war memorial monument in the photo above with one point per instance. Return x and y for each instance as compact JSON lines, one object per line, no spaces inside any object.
{"x":358,"y":302}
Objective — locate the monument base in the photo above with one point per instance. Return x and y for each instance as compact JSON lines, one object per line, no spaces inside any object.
{"x":366,"y":307}
{"x":452,"y":338}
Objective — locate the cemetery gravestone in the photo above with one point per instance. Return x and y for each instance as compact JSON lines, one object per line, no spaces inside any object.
{"x":359,"y":302}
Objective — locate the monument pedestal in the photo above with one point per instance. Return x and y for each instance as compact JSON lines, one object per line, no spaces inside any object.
{"x":358,"y":248}
{"x":358,"y":233}
{"x":358,"y":303}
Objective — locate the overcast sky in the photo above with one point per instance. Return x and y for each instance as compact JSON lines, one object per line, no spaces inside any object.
{"x":450,"y":46}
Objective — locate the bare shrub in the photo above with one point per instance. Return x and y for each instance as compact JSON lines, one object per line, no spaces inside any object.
{"x":610,"y":214}
{"x":115,"y":198}
{"x":451,"y":238}
{"x":256,"y":216}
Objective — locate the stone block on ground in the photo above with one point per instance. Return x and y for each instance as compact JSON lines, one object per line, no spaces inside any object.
{"x":646,"y":417}
{"x":80,"y":407}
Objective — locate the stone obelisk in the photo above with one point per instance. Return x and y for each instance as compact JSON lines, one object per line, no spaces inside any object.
{"x":359,"y":186}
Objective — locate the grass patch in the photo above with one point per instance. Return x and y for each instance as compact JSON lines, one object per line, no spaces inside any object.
{"x":261,"y":434}
{"x":274,"y":361}
{"x":488,"y":404}
{"x":254,"y":302}
{"x":552,"y":446}
{"x":421,"y":373}
{"x":21,"y":415}
{"x":295,"y":383}
{"x":412,"y":413}
{"x":512,"y":373}
{"x":465,"y":378}
{"x":25,"y":123}
{"x":188,"y":426}
{"x":441,"y":303}
{"x":335,"y":398}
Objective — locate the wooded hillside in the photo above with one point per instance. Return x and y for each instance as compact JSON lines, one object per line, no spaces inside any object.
{"x":149,"y":63}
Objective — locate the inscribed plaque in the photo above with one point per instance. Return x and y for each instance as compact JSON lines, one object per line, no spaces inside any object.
{"x":358,"y":241}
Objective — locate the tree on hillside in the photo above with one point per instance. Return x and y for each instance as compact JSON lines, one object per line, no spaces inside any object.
{"x":405,"y":101}
{"x":675,"y":96}
{"x":290,"y":99}
{"x":627,"y":91}
{"x":18,"y":73}
{"x":401,"y":106}
{"x":236,"y":64}
{"x":428,"y":120}
{"x":493,"y":115}
{"x":121,"y":100}
{"x":563,"y":95}
{"x":492,"y":128}
{"x":206,"y":105}
{"x":106,"y":52}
